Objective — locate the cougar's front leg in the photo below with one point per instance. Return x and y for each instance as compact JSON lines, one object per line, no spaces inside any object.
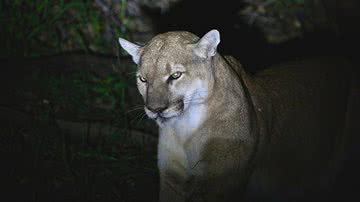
{"x":221,"y":174}
{"x":171,"y":187}
{"x":172,"y":168}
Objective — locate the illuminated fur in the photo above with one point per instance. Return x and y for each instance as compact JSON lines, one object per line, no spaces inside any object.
{"x":225,"y":135}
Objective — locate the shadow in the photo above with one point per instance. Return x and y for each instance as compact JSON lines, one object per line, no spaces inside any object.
{"x":239,"y":39}
{"x":199,"y":17}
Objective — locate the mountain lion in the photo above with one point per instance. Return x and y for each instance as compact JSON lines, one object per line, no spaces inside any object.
{"x":227,"y":135}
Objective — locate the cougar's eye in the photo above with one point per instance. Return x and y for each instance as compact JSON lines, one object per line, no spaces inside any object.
{"x":142,"y":79}
{"x":175,"y":75}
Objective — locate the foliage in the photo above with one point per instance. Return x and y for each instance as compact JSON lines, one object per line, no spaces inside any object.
{"x":285,"y":6}
{"x":42,"y":27}
{"x":81,"y":92}
{"x":57,"y":167}
{"x":279,"y":20}
{"x":110,"y":90}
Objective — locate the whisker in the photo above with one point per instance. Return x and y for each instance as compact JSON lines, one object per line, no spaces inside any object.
{"x":134,"y":109}
{"x":137,"y":116}
{"x":131,"y":73}
{"x":191,"y":98}
{"x":198,"y":101}
{"x":137,"y":106}
{"x":141,"y":118}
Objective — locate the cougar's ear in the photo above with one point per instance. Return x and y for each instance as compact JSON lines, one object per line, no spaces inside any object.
{"x":133,"y":49}
{"x":206,"y":46}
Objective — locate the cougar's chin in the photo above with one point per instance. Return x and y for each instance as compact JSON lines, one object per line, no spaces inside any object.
{"x":150,"y":114}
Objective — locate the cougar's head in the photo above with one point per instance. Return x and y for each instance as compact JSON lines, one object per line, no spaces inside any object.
{"x":174,"y":72}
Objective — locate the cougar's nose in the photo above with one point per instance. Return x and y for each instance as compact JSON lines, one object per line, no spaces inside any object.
{"x":157,"y":108}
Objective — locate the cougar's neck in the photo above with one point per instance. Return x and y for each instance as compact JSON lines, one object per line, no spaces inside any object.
{"x":232,"y":99}
{"x":227,"y":89}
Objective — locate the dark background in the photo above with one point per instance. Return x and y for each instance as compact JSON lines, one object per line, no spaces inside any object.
{"x":72,"y":125}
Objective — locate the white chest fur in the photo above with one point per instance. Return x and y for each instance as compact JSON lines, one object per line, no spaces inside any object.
{"x":186,"y":124}
{"x":174,"y":133}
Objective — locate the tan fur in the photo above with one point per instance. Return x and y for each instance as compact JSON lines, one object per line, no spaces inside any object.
{"x":274,"y":135}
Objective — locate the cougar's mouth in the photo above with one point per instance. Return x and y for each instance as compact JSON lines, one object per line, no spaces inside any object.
{"x":172,"y":111}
